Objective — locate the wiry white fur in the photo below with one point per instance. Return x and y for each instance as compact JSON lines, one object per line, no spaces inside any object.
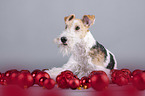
{"x":80,"y":61}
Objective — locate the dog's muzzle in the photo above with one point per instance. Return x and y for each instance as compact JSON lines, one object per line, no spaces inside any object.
{"x":63,"y":40}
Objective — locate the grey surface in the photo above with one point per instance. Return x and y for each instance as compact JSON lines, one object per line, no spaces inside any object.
{"x":28,"y":27}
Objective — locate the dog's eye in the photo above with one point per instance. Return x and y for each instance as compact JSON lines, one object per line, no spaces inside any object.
{"x":66,"y":27}
{"x":77,"y":28}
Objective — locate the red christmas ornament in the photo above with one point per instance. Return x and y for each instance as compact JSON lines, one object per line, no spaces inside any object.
{"x":13,"y":77}
{"x":99,"y":82}
{"x":137,"y":71}
{"x":4,"y":81}
{"x":116,"y":74}
{"x":26,"y":71}
{"x":96,"y":72}
{"x":74,"y":83}
{"x":3,"y":75}
{"x":113,"y":70}
{"x":58,"y":78}
{"x":139,"y":81}
{"x":121,"y":81}
{"x":126,"y":71}
{"x":25,"y":79}
{"x":68,"y":77}
{"x":85,"y":82}
{"x":39,"y":75}
{"x":35,"y":72}
{"x":8,"y":73}
{"x":64,"y":78}
{"x":41,"y":81}
{"x":62,"y":82}
{"x":127,"y":74}
{"x":49,"y":83}
{"x":66,"y":72}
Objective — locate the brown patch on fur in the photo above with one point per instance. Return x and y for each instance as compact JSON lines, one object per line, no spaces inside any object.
{"x":97,"y":56}
{"x":83,"y":28}
{"x":69,"y":18}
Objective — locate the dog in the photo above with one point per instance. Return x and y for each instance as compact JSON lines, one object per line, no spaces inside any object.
{"x":87,"y":54}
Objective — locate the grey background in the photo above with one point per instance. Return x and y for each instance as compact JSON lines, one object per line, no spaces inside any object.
{"x":28,"y":27}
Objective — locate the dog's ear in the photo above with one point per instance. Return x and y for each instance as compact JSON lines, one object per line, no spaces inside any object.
{"x":69,"y":18}
{"x":88,"y":20}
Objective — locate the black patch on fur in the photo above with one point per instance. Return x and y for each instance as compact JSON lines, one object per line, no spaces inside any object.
{"x":71,"y":17}
{"x":111,"y":63}
{"x":101,"y":48}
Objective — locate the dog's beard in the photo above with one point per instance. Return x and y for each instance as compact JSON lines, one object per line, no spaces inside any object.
{"x":65,"y":50}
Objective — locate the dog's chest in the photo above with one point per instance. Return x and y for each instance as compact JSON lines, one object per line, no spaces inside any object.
{"x":81,"y":56}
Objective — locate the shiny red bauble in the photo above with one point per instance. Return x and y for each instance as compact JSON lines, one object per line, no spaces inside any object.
{"x":139,"y":81}
{"x":13,"y":77}
{"x":25,"y":79}
{"x":66,"y":72}
{"x":99,"y":82}
{"x":85,"y":82}
{"x":34,"y":73}
{"x":127,"y":74}
{"x":8,"y":73}
{"x":137,"y":71}
{"x":41,"y":81}
{"x":4,"y":81}
{"x":74,"y":83}
{"x":62,"y":82}
{"x":49,"y":83}
{"x":96,"y":72}
{"x":126,"y":71}
{"x":64,"y":78}
{"x":120,"y":80}
{"x":116,"y":74}
{"x":39,"y":75}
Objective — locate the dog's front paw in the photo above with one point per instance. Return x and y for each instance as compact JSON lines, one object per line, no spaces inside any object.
{"x":54,"y":72}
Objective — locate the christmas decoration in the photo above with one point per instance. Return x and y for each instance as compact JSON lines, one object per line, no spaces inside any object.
{"x":96,"y":72}
{"x":139,"y":81}
{"x":25,"y":71}
{"x":41,"y":81}
{"x":85,"y":82}
{"x":8,"y":73}
{"x":34,"y":73}
{"x":137,"y":71}
{"x":25,"y":79}
{"x":120,"y":77}
{"x":39,"y":75}
{"x":99,"y":81}
{"x":74,"y":83}
{"x":126,"y":71}
{"x":64,"y":78}
{"x":49,"y":83}
{"x":61,"y":82}
{"x":13,"y":77}
{"x":4,"y":81}
{"x":120,"y":80}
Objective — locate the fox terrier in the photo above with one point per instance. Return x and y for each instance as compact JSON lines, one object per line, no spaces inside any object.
{"x":87,"y":54}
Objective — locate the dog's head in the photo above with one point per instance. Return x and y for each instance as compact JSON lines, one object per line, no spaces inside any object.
{"x":75,"y":31}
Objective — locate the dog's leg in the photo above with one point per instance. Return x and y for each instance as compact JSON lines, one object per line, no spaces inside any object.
{"x":70,"y":65}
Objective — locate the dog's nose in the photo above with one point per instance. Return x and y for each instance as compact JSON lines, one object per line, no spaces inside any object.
{"x":63,"y":39}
